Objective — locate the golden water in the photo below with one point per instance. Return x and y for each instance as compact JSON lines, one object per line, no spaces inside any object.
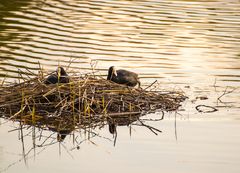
{"x":184,"y":44}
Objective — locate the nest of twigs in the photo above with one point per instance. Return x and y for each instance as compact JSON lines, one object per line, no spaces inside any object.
{"x":86,"y":101}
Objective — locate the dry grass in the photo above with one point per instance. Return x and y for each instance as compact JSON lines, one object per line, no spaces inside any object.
{"x":87,"y":101}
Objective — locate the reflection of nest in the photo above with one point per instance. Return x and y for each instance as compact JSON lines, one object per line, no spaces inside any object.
{"x":84,"y":102}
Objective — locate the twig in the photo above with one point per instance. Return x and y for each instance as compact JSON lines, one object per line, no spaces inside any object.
{"x":209,"y":111}
{"x":150,"y":85}
{"x":225,"y":93}
{"x":153,"y":129}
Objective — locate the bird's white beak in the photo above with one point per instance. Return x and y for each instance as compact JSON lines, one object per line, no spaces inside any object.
{"x":115,"y":72}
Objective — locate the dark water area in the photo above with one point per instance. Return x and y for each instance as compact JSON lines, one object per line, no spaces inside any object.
{"x":187,"y":45}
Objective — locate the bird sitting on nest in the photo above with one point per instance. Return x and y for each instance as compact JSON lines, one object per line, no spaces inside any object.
{"x":60,"y":76}
{"x":123,"y":77}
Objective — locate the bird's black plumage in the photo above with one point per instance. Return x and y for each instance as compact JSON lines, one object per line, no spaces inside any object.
{"x":123,"y":77}
{"x":60,"y":76}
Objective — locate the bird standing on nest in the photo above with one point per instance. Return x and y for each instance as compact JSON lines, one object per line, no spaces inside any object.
{"x":60,"y":76}
{"x":123,"y":77}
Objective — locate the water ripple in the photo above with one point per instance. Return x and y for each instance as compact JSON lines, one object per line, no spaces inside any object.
{"x":182,"y":40}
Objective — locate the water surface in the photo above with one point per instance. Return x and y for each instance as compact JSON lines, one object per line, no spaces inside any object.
{"x":186,"y":45}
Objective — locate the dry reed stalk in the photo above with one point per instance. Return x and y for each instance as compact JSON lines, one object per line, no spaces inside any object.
{"x":86,"y":101}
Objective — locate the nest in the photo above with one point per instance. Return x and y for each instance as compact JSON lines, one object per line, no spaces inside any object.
{"x":86,"y":101}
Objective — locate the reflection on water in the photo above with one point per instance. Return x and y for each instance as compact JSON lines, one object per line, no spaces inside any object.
{"x":188,"y":45}
{"x":34,"y":140}
{"x":181,"y":40}
{"x":199,"y":145}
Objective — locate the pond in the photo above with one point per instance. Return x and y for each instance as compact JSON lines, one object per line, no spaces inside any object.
{"x":192,"y":46}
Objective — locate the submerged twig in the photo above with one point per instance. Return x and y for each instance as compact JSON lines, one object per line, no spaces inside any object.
{"x":199,"y":108}
{"x":225,"y":93}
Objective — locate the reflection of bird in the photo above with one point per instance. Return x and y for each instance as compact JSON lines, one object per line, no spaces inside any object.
{"x":60,"y":76}
{"x":112,"y":127}
{"x":62,"y":135}
{"x":123,"y":77}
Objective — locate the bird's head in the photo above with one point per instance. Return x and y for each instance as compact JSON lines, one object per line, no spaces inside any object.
{"x":111,"y":72}
{"x":61,"y":71}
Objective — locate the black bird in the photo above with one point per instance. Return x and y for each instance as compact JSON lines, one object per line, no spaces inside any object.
{"x":60,"y":76}
{"x":123,"y":77}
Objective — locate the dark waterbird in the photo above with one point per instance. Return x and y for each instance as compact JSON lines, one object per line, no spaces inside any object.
{"x":60,"y":76}
{"x":123,"y":77}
